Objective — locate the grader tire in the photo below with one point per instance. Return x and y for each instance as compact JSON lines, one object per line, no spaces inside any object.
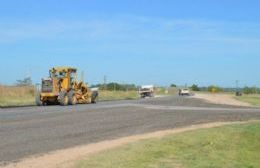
{"x":72,"y":98}
{"x":63,"y":99}
{"x":94,"y":97}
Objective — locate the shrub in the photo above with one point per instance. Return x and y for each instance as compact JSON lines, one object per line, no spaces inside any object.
{"x":173,"y":85}
{"x":214,"y":89}
{"x":250,"y":90}
{"x":195,"y":88}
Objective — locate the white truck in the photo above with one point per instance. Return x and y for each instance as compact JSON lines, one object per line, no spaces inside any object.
{"x":146,"y":91}
{"x":184,"y":92}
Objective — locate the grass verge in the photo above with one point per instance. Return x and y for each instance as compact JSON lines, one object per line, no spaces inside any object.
{"x":228,"y":146}
{"x":22,"y":96}
{"x":251,"y":99}
{"x":16,"y":96}
{"x":117,"y":95}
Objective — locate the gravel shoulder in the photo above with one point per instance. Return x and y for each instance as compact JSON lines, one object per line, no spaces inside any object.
{"x":221,"y":99}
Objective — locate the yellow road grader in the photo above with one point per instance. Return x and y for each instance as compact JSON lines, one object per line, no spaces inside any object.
{"x":62,"y":87}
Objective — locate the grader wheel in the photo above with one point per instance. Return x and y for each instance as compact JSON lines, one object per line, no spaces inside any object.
{"x":72,"y":98}
{"x":94,"y":97}
{"x":63,"y":99}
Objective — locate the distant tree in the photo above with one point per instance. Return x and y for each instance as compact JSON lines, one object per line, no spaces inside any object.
{"x":116,"y":86}
{"x":173,"y":85}
{"x":214,"y":89}
{"x":250,"y":90}
{"x":195,"y":88}
{"x":24,"y":82}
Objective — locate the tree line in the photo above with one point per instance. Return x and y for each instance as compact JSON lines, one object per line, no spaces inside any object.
{"x":114,"y":86}
{"x":216,"y":89}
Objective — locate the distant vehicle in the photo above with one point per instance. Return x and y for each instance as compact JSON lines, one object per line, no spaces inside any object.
{"x":184,"y":92}
{"x":239,"y":93}
{"x":146,"y":91}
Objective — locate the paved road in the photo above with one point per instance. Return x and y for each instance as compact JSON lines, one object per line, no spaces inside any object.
{"x":29,"y":131}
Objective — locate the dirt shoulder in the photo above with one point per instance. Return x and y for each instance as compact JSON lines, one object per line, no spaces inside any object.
{"x":221,"y":99}
{"x":67,"y":157}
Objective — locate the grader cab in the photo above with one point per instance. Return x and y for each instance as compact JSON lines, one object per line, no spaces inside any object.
{"x":62,"y":87}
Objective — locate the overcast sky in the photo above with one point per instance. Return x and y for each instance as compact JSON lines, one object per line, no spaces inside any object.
{"x":133,"y":41}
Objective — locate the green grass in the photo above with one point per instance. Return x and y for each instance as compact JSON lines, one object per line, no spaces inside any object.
{"x":117,"y":95}
{"x":235,"y":146}
{"x":28,"y":99}
{"x":251,"y":99}
{"x":16,"y":96}
{"x":130,"y":95}
{"x":24,"y":95}
{"x":161,"y":91}
{"x":16,"y":101}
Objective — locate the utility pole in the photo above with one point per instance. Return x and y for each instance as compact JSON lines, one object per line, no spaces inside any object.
{"x":114,"y":86}
{"x":82,"y":76}
{"x":105,"y":82}
{"x":237,"y":85}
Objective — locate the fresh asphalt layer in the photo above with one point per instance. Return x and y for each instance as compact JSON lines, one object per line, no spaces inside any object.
{"x":28,"y":131}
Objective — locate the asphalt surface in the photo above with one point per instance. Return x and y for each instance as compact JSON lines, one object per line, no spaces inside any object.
{"x":27,"y":131}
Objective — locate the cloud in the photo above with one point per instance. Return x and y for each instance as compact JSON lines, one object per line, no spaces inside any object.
{"x":130,"y":29}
